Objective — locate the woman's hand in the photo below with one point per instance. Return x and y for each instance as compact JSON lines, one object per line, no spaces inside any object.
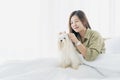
{"x":73,"y":37}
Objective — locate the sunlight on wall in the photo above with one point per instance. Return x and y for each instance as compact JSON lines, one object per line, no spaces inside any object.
{"x":18,"y":29}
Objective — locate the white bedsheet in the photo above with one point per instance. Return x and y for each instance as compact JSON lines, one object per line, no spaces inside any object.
{"x":48,"y":69}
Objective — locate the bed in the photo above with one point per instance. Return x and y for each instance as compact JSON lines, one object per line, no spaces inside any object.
{"x":48,"y":69}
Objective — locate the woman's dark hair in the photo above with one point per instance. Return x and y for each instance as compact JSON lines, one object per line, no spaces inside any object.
{"x":81,"y":15}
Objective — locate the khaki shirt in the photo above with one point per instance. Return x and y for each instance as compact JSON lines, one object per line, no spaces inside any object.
{"x":94,"y":43}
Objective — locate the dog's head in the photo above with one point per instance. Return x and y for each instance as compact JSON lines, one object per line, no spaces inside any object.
{"x":63,"y":40}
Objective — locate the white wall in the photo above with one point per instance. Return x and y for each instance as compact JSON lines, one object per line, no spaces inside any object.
{"x":28,"y":28}
{"x":19,"y":23}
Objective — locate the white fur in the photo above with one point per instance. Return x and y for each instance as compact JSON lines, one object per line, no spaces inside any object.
{"x":69,"y":55}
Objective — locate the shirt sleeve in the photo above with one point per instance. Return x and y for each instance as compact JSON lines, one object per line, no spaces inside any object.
{"x":95,"y":46}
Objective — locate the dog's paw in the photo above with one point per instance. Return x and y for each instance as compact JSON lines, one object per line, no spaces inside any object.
{"x":63,"y":66}
{"x":75,"y":66}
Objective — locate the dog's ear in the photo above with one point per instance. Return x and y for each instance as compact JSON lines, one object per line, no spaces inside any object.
{"x":64,"y":32}
{"x":60,"y":33}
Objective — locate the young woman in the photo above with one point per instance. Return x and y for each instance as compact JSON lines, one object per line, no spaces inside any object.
{"x":88,"y":42}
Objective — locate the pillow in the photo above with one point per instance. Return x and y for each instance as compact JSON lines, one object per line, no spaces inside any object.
{"x":112,"y":45}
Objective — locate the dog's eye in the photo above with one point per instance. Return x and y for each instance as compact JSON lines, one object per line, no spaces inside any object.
{"x":64,"y":38}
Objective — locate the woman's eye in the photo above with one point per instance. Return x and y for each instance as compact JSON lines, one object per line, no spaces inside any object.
{"x":76,"y":21}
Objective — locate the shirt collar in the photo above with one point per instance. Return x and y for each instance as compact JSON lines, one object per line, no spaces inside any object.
{"x":87,"y":34}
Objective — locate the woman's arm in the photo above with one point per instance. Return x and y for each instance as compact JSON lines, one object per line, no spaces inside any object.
{"x":94,"y":47}
{"x":81,"y":47}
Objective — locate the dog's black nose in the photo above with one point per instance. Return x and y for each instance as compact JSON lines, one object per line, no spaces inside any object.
{"x":60,"y":40}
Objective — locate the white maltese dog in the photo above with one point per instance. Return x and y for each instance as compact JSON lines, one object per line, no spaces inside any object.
{"x":69,"y":55}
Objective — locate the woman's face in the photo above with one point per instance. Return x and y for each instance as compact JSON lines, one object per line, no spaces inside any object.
{"x":76,"y":24}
